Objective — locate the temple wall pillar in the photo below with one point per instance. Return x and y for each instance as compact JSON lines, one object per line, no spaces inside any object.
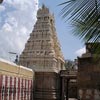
{"x":47,"y":86}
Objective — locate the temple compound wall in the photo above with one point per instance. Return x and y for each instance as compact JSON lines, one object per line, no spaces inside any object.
{"x":43,"y":54}
{"x":89,"y":75}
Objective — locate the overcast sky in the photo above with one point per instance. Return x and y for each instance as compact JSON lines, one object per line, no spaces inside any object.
{"x":17,"y":18}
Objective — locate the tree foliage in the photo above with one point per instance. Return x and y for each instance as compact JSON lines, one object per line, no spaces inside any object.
{"x":85,"y":18}
{"x":70,"y":65}
{"x":1,"y":1}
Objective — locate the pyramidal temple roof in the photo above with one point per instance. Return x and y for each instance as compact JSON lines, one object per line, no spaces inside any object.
{"x":42,"y":48}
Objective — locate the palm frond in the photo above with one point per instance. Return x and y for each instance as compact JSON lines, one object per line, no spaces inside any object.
{"x":84,"y":16}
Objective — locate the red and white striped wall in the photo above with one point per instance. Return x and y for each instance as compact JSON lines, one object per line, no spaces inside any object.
{"x":15,"y":88}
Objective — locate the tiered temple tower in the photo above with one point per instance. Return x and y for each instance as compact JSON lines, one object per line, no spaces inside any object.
{"x":42,"y":51}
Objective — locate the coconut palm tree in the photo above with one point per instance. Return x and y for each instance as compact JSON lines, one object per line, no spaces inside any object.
{"x":1,"y":1}
{"x":85,"y":18}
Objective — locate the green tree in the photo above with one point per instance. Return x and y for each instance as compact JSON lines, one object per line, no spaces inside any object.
{"x":84,"y":16}
{"x":70,"y":65}
{"x":1,"y":1}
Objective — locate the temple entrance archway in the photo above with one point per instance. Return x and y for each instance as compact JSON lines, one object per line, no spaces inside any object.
{"x":68,"y":84}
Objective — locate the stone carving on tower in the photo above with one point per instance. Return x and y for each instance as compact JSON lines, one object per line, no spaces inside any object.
{"x":42,"y":51}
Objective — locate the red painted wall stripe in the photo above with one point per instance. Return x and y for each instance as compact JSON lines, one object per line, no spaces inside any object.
{"x":5,"y":88}
{"x":1,"y":87}
{"x":24,"y":89}
{"x":14,"y":88}
{"x":18,"y":88}
{"x":10,"y":88}
{"x":28,"y":91}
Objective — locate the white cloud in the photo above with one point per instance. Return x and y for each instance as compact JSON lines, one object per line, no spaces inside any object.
{"x":80,"y":51}
{"x":12,"y":21}
{"x":7,"y":28}
{"x":2,"y":8}
{"x":16,"y":24}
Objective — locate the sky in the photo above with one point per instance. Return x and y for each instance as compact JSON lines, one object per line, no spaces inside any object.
{"x":17,"y":19}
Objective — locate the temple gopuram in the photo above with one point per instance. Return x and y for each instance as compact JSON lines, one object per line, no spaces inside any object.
{"x":42,"y":48}
{"x":43,"y":54}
